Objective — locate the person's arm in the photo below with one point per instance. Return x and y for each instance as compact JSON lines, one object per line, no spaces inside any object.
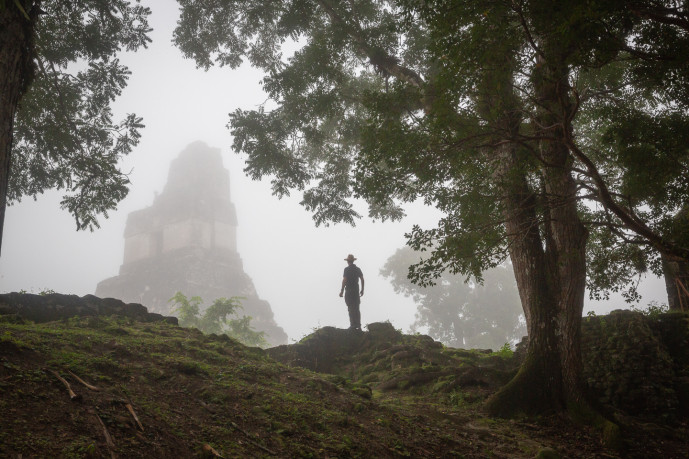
{"x":361,"y":276}
{"x":344,"y":281}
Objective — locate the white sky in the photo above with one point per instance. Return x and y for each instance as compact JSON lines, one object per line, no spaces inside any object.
{"x":295,"y":266}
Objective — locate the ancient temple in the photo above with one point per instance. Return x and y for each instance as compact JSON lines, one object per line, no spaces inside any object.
{"x":187,"y":241}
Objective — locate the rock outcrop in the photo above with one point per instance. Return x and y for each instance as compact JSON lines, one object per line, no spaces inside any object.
{"x":186,"y":241}
{"x":55,"y":306}
{"x":639,"y":364}
{"x":634,"y":364}
{"x":387,"y":360}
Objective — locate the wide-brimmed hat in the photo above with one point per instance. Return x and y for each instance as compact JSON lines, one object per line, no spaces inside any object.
{"x":350,"y":257}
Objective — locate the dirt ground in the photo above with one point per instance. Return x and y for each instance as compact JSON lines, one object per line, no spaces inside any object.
{"x":116,"y":387}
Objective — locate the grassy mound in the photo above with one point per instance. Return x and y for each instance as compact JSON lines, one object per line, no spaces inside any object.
{"x":116,"y":386}
{"x":186,"y":389}
{"x":385,"y":360}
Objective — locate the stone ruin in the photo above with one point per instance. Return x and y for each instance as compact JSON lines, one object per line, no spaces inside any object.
{"x":187,"y":241}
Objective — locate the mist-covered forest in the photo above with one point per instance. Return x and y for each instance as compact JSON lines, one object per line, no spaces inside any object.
{"x":511,"y":178}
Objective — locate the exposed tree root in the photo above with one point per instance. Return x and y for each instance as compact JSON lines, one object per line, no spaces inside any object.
{"x":530,"y":392}
{"x":534,"y":391}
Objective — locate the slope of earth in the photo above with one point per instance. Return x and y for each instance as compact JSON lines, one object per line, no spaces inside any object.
{"x":112,"y":383}
{"x":636,"y":367}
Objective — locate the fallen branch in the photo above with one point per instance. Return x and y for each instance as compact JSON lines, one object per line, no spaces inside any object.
{"x":136,"y":418}
{"x":238,"y":429}
{"x":127,"y":402}
{"x":205,"y":405}
{"x":72,"y":396}
{"x":88,"y":386}
{"x":209,"y":449}
{"x":108,"y":438}
{"x":248,"y":437}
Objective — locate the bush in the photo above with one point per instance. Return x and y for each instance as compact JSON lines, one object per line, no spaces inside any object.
{"x":217,"y":318}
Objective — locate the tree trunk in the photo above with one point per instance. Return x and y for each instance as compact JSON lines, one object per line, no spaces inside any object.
{"x":550,"y":266}
{"x":16,"y":72}
{"x":676,"y":269}
{"x":676,"y":273}
{"x":538,"y":386}
{"x":568,"y":257}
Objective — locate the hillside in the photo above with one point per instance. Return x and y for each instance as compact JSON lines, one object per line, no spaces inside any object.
{"x":158,"y":390}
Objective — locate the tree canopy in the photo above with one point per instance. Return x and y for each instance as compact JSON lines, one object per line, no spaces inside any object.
{"x":458,"y":313}
{"x":61,"y":73}
{"x":487,"y":110}
{"x":636,"y":129}
{"x":369,"y":68}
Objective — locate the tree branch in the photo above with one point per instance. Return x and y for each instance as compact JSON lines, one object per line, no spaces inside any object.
{"x":382,"y":61}
{"x":628,"y":218}
{"x":670,"y":16}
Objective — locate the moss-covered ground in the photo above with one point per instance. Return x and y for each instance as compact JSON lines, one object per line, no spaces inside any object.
{"x":158,"y":390}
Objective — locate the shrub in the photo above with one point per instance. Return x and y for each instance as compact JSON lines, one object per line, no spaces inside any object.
{"x":221,"y":317}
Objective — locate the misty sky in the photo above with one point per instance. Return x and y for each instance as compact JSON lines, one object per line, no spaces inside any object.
{"x":295,"y":266}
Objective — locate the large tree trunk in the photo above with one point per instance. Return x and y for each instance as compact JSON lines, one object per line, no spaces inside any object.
{"x":567,"y":244}
{"x":676,"y":273}
{"x":16,"y":72}
{"x":551,"y":280}
{"x":567,"y":255}
{"x":538,"y":386}
{"x":676,"y":269}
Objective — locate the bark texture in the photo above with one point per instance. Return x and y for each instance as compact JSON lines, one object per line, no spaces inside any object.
{"x":16,"y":73}
{"x":675,"y":268}
{"x":676,"y":273}
{"x":547,"y":249}
{"x":538,"y":385}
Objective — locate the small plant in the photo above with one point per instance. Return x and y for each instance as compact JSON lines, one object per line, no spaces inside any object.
{"x":43,"y":292}
{"x":81,"y":447}
{"x":592,"y":315}
{"x":457,"y":398}
{"x":217,"y":318}
{"x":505,"y":351}
{"x":653,"y":309}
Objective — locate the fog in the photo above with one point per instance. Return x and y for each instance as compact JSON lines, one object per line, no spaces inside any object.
{"x":295,"y":266}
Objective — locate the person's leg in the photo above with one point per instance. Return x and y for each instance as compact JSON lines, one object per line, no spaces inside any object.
{"x":352,"y":300}
{"x":353,"y":309}
{"x":356,"y":323}
{"x":348,"y":302}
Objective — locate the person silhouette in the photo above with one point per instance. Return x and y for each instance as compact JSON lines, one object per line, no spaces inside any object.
{"x":350,"y":288}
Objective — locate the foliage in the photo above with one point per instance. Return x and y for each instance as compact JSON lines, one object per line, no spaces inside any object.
{"x":459,"y":313}
{"x":64,"y":133}
{"x":505,"y":351}
{"x":457,"y":398}
{"x":217,"y":318}
{"x":393,"y":101}
{"x":42,"y":292}
{"x":187,"y":309}
{"x":485,"y":110}
{"x":312,"y":138}
{"x":630,"y":360}
{"x":653,"y":309}
{"x":637,"y":134}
